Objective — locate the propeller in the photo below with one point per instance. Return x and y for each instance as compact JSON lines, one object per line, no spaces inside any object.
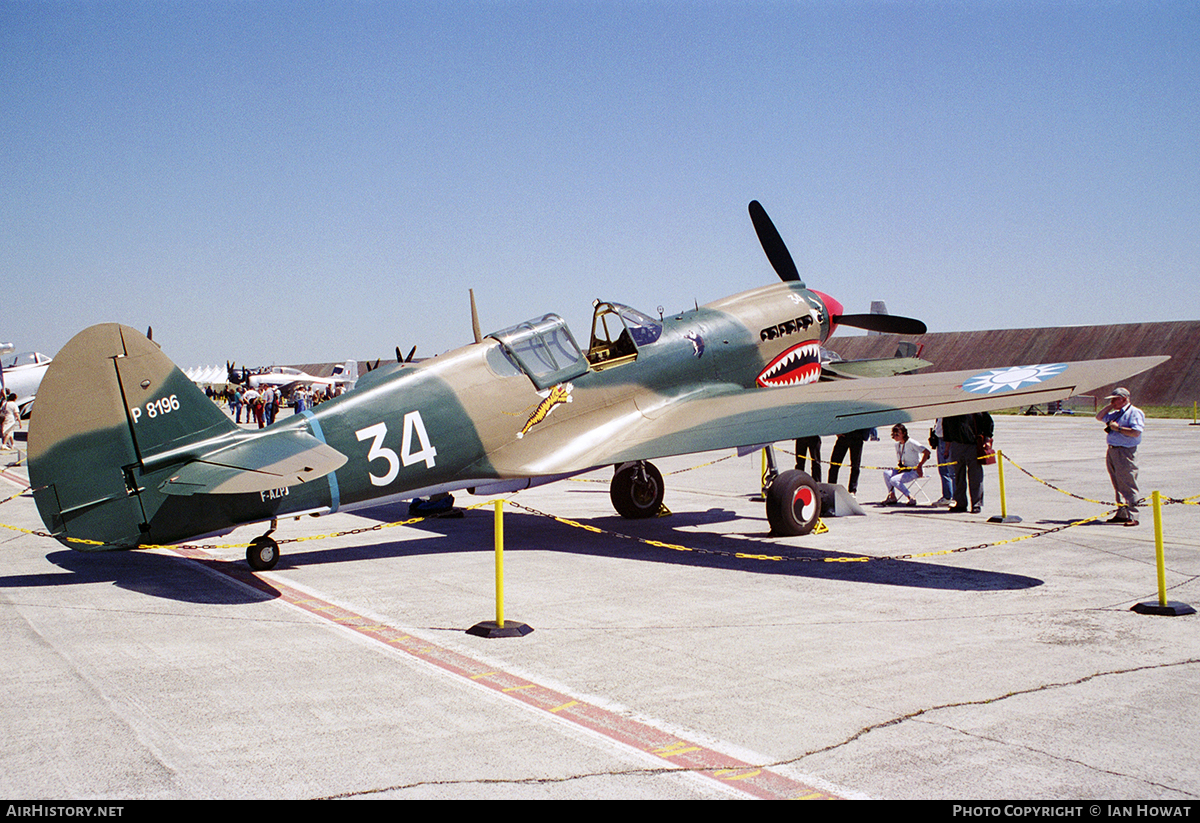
{"x":885,"y":323}
{"x":781,"y":260}
{"x":773,"y":245}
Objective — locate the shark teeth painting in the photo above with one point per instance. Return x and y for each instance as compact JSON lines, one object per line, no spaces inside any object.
{"x":796,"y":366}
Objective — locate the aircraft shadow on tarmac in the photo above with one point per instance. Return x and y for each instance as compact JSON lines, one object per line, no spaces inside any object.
{"x":156,"y":575}
{"x":176,"y":578}
{"x":524,"y":532}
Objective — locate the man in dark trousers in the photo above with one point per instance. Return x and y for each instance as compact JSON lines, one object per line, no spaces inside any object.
{"x":851,"y":442}
{"x":809,"y":447}
{"x":963,"y":433}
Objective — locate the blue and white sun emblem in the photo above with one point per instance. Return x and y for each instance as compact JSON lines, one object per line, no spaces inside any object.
{"x":1011,"y":378}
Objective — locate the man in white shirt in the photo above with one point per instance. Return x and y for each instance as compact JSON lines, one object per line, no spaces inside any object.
{"x":1124,"y":423}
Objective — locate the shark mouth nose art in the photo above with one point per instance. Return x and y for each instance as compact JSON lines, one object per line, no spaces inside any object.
{"x":796,"y":366}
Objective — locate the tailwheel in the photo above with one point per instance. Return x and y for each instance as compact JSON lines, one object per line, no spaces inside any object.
{"x":262,"y":554}
{"x":793,"y":504}
{"x":637,"y":490}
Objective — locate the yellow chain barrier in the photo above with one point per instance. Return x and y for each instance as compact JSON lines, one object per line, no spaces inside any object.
{"x":820,"y":529}
{"x":361,"y":530}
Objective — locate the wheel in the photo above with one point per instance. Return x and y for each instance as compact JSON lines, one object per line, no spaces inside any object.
{"x":262,"y":554}
{"x":793,"y":504}
{"x":637,"y":490}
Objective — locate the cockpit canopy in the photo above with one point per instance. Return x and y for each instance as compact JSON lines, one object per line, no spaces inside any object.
{"x":617,"y":332}
{"x":25,"y":358}
{"x":546,"y":351}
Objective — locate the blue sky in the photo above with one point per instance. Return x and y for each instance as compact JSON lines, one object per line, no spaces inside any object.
{"x":302,"y":181}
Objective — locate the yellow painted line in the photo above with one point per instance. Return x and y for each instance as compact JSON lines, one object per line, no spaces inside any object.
{"x":674,"y":749}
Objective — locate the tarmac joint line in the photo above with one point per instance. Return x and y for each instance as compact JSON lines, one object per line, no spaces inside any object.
{"x":987,"y":701}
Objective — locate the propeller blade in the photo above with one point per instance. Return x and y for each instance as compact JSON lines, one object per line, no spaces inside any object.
{"x":886,"y":323}
{"x":773,"y":245}
{"x":399,"y":359}
{"x":411,"y":352}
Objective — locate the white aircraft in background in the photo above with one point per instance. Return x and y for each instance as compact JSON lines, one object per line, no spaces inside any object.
{"x":22,"y":373}
{"x":287,"y":378}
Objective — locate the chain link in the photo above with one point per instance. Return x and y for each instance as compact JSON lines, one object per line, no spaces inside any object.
{"x":821,"y":528}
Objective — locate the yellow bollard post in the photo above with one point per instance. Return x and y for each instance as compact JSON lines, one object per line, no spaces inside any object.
{"x":1003,"y":517}
{"x":498,"y":529}
{"x":1172,"y":608}
{"x":497,"y":627}
{"x":1159,"y":560}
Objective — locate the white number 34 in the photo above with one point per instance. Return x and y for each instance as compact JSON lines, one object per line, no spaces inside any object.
{"x":413,"y":427}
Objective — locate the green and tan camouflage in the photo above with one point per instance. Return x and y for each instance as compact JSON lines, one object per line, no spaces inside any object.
{"x":125,"y":451}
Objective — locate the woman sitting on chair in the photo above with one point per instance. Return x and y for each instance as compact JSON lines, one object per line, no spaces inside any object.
{"x":910,"y":457}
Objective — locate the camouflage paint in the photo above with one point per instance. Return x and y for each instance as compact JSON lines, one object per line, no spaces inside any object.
{"x":122,"y":444}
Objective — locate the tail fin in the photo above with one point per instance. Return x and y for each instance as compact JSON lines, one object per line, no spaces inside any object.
{"x":109,"y":402}
{"x":348,"y":370}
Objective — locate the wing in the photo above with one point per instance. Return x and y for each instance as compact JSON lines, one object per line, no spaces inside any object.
{"x":707,"y":421}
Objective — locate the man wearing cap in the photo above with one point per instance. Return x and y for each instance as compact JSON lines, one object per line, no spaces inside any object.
{"x":1124,"y":423}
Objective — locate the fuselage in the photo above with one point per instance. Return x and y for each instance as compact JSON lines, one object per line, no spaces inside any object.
{"x":526,"y":405}
{"x":473,"y":419}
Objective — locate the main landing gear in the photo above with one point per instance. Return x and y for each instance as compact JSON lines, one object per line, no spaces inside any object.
{"x":793,"y":503}
{"x":263,"y":552}
{"x":792,"y":498}
{"x":637,"y":490}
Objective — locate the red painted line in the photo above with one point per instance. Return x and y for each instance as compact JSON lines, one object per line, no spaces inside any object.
{"x":672,"y":750}
{"x":14,"y":478}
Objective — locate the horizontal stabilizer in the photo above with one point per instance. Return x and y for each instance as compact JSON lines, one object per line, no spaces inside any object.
{"x":259,"y":464}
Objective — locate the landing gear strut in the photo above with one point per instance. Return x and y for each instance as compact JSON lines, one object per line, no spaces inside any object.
{"x":263,"y":552}
{"x":637,"y":490}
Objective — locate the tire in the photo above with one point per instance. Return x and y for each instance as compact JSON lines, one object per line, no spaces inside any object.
{"x":262,"y":554}
{"x":793,"y":504}
{"x":637,"y":490}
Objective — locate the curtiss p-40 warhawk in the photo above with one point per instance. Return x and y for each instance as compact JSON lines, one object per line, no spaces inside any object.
{"x":125,"y":451}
